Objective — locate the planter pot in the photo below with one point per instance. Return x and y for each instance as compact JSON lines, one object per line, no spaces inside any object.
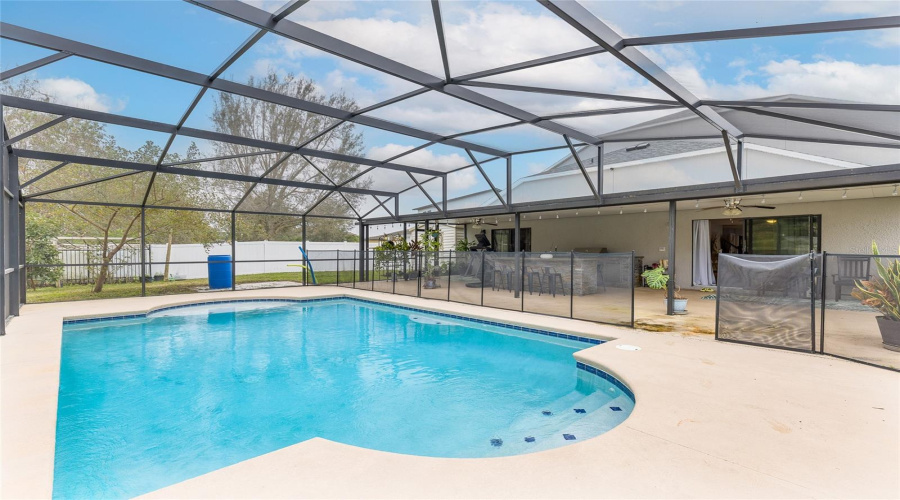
{"x":890,"y":332}
{"x":680,"y":306}
{"x":430,"y":284}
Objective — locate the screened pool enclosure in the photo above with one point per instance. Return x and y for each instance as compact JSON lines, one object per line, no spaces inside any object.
{"x":129,"y":125}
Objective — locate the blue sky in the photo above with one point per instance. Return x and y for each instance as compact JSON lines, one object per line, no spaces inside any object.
{"x":862,"y":65}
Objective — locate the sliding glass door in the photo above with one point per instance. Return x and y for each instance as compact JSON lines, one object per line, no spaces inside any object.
{"x":793,"y":235}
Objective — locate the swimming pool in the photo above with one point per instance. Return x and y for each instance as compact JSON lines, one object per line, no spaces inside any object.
{"x":148,"y":401}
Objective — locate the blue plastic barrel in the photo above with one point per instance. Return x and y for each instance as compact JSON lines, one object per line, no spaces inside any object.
{"x":219,"y":267}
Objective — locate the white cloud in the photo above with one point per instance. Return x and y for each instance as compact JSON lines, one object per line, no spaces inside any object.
{"x":867,"y":7}
{"x":461,"y":180}
{"x":73,"y":92}
{"x":884,"y":39}
{"x":456,"y":181}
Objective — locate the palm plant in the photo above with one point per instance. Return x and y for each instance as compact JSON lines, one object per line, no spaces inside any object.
{"x":882,"y":293}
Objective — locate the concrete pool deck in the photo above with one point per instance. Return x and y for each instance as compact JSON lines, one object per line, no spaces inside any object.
{"x":712,"y":420}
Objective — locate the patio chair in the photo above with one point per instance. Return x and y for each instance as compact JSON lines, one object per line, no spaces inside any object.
{"x":851,"y":268}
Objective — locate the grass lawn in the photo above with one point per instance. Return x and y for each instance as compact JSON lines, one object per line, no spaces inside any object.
{"x":117,"y":290}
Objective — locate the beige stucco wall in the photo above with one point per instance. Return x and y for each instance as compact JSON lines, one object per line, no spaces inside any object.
{"x":848,"y":226}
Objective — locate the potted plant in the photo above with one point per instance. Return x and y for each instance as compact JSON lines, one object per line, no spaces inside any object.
{"x":883,"y":294}
{"x":657,"y":279}
{"x":430,"y":245}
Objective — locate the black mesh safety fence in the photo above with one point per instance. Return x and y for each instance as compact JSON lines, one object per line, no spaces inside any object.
{"x":768,"y":300}
{"x":597,"y":287}
{"x":603,"y":288}
{"x":860,"y":311}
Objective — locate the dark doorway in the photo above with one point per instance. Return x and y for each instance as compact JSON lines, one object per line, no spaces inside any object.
{"x":503,"y":239}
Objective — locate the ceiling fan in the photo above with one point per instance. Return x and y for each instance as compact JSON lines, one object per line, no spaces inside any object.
{"x":733,"y":207}
{"x":481,"y":222}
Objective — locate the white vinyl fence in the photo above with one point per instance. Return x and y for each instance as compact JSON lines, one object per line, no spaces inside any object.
{"x":322,"y":255}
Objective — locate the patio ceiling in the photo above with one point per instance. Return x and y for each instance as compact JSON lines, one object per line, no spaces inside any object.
{"x":436,"y":121}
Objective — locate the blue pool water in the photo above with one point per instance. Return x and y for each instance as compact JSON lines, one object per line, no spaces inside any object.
{"x":148,"y":402}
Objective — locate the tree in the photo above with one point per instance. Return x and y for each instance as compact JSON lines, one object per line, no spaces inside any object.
{"x":40,"y":233}
{"x":106,"y":229}
{"x":247,"y":117}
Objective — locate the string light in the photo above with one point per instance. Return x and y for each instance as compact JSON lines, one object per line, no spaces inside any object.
{"x":800,"y":197}
{"x":645,"y":210}
{"x":620,"y":211}
{"x":697,"y":205}
{"x":557,"y":216}
{"x":764,"y":200}
{"x":844,"y":194}
{"x":895,"y":191}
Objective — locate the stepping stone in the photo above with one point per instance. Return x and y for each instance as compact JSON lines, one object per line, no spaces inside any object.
{"x":569,"y":437}
{"x":496,"y":442}
{"x":529,"y":439}
{"x":580,"y":410}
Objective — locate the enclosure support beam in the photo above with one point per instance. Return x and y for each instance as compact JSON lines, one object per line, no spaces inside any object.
{"x":258,"y":17}
{"x":362,"y":252}
{"x":146,"y":167}
{"x":35,"y":130}
{"x":126,"y":121}
{"x":600,"y":171}
{"x":303,"y":240}
{"x":570,"y":93}
{"x":37,"y":38}
{"x":740,"y":159}
{"x":44,"y":174}
{"x":12,"y":229}
{"x":517,"y":247}
{"x":587,"y":178}
{"x":486,"y":178}
{"x":592,"y":27}
{"x":143,"y":252}
{"x":851,"y":177}
{"x":233,"y":251}
{"x":818,"y":123}
{"x":23,"y":288}
{"x":670,"y":286}
{"x":4,"y":234}
{"x":444,"y":195}
{"x":767,"y":31}
{"x":509,"y":197}
{"x":439,"y":25}
{"x":33,"y":65}
{"x":735,"y":173}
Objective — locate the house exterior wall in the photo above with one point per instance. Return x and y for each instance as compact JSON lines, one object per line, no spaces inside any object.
{"x":848,"y":226}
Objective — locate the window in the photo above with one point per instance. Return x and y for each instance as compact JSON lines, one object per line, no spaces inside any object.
{"x":784,"y":235}
{"x":502,"y":240}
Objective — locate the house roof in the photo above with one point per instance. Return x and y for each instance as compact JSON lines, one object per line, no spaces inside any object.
{"x":655,"y":149}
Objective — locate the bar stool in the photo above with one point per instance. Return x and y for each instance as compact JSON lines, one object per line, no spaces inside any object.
{"x":554,"y":277}
{"x":497,"y":280}
{"x":531,"y":274}
{"x":509,"y":272}
{"x":600,"y":282}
